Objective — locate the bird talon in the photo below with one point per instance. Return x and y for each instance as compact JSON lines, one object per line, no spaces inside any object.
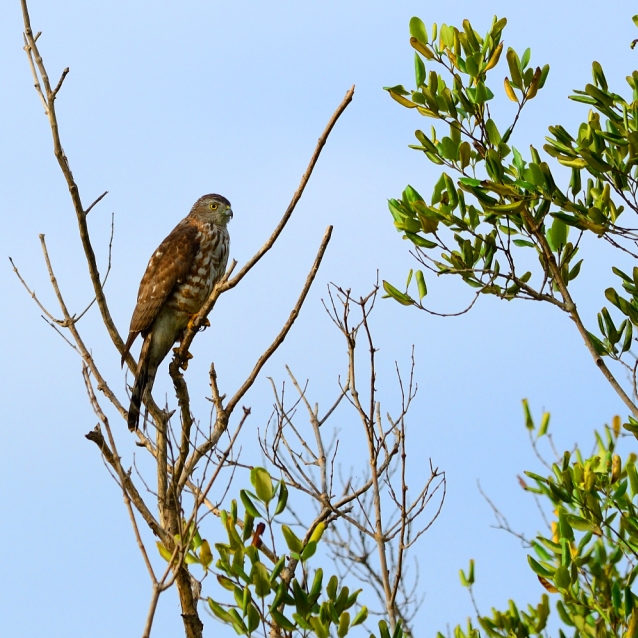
{"x":183,"y":364}
{"x":191,"y":323}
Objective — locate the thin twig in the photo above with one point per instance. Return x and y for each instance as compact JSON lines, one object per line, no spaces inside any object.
{"x":227,"y":282}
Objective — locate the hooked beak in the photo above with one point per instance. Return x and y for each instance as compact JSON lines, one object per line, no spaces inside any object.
{"x":229,"y":212}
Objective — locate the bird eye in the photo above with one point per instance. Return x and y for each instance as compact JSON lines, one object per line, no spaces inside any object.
{"x":214,"y":206}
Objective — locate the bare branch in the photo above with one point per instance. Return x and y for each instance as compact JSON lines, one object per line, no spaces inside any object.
{"x":47,"y":95}
{"x":222,"y":418}
{"x":226,"y":282}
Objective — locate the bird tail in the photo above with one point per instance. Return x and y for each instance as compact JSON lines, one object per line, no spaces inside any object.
{"x":129,"y":342}
{"x":143,"y":381}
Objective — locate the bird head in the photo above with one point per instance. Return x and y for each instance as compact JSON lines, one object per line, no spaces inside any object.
{"x":213,"y":209}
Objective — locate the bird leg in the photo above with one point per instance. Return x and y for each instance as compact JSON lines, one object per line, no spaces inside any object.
{"x":205,"y":323}
{"x":183,"y":364}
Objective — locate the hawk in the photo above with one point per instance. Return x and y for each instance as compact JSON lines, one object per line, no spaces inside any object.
{"x":178,"y":279}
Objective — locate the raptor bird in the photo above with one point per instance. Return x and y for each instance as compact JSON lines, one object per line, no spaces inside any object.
{"x":178,"y":279}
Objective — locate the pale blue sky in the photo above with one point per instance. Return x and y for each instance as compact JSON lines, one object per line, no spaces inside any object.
{"x":167,"y":101}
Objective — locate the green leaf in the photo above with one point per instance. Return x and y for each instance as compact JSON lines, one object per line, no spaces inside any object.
{"x":599,"y":346}
{"x":542,"y":429}
{"x":574,"y":272}
{"x":254,"y":618}
{"x":492,"y":132}
{"x":402,"y":100}
{"x":282,"y":621}
{"x":317,"y":532}
{"x":515,"y":68}
{"x":570,"y":220}
{"x":261,"y":579}
{"x":262,"y":483}
{"x":564,"y":528}
{"x":420,"y":282}
{"x":557,"y":235}
{"x":417,"y":240}
{"x":426,"y":141}
{"x":294,"y":544}
{"x":419,"y":69}
{"x":523,"y":242}
{"x":248,"y":504}
{"x":164,"y":553}
{"x":626,"y":345}
{"x":579,"y":523}
{"x":301,"y":621}
{"x":225,"y":582}
{"x":582,"y":98}
{"x":321,"y":630}
{"x":399,"y":89}
{"x":539,"y":569}
{"x":237,"y":622}
{"x":344,"y":624}
{"x":630,"y":468}
{"x":280,"y":594}
{"x":317,"y":583}
{"x":331,"y":588}
{"x":276,"y":570}
{"x":396,"y":209}
{"x":220,"y":612}
{"x":360,"y":617}
{"x":564,"y":614}
{"x":562,"y":578}
{"x":449,"y":149}
{"x":283,"y":498}
{"x":529,"y":421}
{"x":598,"y":75}
{"x":205,"y":555}
{"x":418,"y":30}
{"x":309,"y":550}
{"x":463,"y":578}
{"x":402,"y":298}
{"x":398,"y":630}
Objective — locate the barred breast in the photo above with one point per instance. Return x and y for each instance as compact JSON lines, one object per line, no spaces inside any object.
{"x":208,"y":267}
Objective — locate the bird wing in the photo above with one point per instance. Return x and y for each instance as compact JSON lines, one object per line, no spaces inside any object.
{"x":167,"y":268}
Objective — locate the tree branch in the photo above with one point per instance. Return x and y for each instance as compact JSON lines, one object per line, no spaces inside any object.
{"x":48,"y":96}
{"x":222,"y":416}
{"x":226,"y":282}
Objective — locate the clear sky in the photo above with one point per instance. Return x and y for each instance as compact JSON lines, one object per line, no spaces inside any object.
{"x":166,"y":101}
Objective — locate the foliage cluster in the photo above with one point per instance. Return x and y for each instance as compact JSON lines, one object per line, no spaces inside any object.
{"x":499,"y":220}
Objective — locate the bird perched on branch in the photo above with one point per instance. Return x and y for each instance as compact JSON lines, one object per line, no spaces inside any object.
{"x":178,"y":279}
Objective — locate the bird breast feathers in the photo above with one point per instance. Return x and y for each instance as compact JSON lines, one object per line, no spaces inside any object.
{"x":186,"y":266}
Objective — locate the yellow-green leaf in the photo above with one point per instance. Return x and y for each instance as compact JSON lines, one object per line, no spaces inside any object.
{"x":262,"y":483}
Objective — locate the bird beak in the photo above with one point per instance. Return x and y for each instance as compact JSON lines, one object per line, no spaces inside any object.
{"x":229,"y":212}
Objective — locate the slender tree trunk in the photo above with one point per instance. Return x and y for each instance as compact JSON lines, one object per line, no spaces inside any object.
{"x":193,"y":626}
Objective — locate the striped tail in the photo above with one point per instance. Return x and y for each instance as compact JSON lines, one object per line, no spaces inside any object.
{"x":143,"y":381}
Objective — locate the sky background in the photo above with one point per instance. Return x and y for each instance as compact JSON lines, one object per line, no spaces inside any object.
{"x":168,"y":101}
